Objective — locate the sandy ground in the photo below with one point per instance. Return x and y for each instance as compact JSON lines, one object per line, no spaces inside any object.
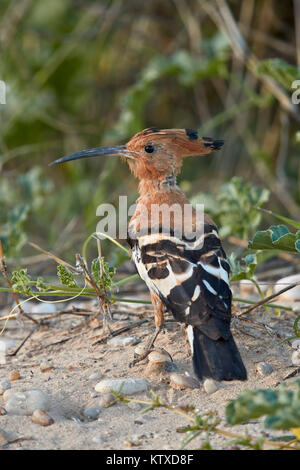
{"x":68,"y":344}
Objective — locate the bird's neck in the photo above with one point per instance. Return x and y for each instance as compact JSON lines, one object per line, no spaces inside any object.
{"x":149,"y":187}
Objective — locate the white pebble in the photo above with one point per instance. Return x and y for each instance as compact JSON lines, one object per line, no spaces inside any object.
{"x":123,"y":341}
{"x":264,"y":369}
{"x":210,"y":386}
{"x":4,"y":385}
{"x":129,"y":386}
{"x":180,"y":381}
{"x":25,"y":403}
{"x":296,"y":358}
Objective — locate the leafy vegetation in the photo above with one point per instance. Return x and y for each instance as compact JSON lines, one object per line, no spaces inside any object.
{"x":281,"y":406}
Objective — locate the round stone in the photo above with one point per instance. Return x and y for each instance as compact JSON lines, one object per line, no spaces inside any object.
{"x":14,"y":375}
{"x":158,"y":357}
{"x":42,"y":418}
{"x":179,"y":381}
{"x":210,"y":386}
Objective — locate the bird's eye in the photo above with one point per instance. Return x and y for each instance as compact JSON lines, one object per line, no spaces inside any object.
{"x":149,"y":148}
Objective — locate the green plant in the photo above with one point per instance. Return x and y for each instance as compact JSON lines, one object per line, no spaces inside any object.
{"x":234,"y":207}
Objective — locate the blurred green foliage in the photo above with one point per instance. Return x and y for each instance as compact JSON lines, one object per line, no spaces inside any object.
{"x":234,"y":207}
{"x":83,"y":74}
{"x":281,"y":407}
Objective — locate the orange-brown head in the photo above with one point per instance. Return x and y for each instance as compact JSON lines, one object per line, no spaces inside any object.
{"x":154,"y":153}
{"x":159,"y":152}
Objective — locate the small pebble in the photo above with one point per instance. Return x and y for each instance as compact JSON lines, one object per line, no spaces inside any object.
{"x":210,"y":386}
{"x":129,"y":386}
{"x":296,"y":358}
{"x":2,"y":411}
{"x":92,"y":412}
{"x":264,"y":369}
{"x":42,"y":418}
{"x":179,"y":381}
{"x":106,"y":400}
{"x":25,"y":403}
{"x":94,"y":395}
{"x":4,"y":385}
{"x":123,"y":341}
{"x":158,"y":357}
{"x":295,"y":344}
{"x":14,"y":375}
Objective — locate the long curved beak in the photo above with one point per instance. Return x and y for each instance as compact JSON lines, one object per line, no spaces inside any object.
{"x":120,"y":150}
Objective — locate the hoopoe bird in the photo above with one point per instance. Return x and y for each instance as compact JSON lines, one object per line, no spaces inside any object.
{"x":187,"y":275}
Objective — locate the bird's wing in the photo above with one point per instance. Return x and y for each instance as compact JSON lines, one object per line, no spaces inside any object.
{"x":190,"y":277}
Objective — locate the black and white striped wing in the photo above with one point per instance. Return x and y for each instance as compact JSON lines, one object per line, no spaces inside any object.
{"x":191,"y":278}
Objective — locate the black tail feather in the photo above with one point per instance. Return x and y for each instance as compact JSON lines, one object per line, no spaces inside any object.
{"x":217,"y":359}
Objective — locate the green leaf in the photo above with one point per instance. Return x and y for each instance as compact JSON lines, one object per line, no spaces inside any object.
{"x":280,"y":70}
{"x":65,"y":276}
{"x":280,"y":406}
{"x":244,"y":269}
{"x":276,"y":237}
{"x":21,"y":281}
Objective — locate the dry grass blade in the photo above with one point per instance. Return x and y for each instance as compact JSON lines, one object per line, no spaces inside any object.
{"x":54,"y":257}
{"x":267,"y":299}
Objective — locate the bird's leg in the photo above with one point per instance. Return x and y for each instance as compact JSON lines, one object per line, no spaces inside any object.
{"x":159,"y":321}
{"x":158,"y":318}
